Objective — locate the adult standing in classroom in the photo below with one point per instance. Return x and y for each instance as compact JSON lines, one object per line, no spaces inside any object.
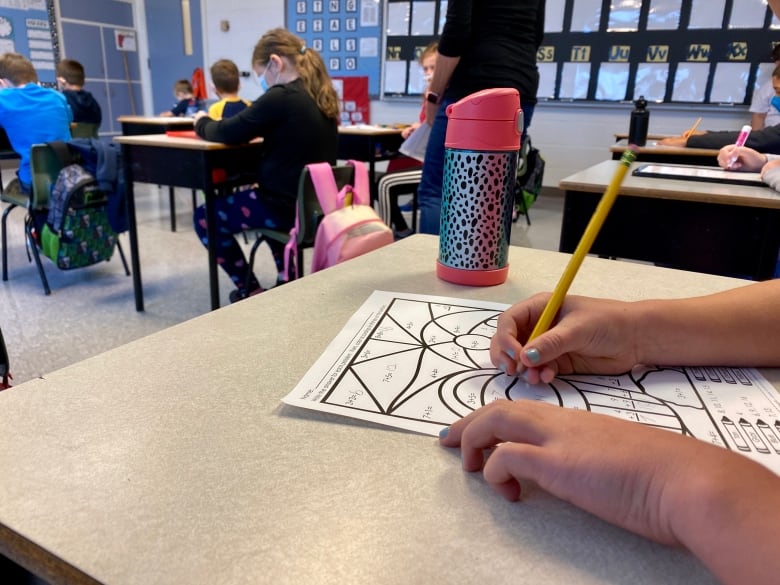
{"x":484,"y":44}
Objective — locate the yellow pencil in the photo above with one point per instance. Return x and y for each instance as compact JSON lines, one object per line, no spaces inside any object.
{"x":582,"y":249}
{"x":687,"y":133}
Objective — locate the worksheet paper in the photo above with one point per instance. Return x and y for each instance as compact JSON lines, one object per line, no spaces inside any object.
{"x":420,"y":363}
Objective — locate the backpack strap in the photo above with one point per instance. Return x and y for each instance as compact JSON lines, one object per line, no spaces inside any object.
{"x":291,"y":251}
{"x":361,"y":195}
{"x":325,"y":186}
{"x":328,"y":193}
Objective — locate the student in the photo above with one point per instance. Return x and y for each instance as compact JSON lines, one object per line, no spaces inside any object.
{"x":764,"y":140}
{"x":765,"y":107}
{"x":741,"y":158}
{"x":29,"y":113}
{"x":297,"y":117}
{"x":427,"y":61}
{"x":393,"y":183}
{"x":226,"y":80}
{"x":70,"y":80}
{"x":668,"y":487}
{"x":186,"y":104}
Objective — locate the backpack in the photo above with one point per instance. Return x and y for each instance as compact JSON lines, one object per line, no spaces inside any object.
{"x":530,"y":174}
{"x":350,"y":226}
{"x":77,"y":231}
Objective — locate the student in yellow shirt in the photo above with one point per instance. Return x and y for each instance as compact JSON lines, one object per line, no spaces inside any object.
{"x":226,"y":80}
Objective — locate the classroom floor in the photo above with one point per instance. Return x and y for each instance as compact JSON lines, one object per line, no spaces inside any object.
{"x":92,"y":309}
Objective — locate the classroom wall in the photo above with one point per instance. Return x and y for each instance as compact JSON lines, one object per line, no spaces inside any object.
{"x":570,"y":136}
{"x":89,"y":34}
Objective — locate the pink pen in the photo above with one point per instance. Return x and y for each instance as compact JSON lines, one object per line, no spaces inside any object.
{"x":741,"y":139}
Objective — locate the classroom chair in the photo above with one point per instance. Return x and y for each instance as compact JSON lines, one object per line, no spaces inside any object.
{"x":14,"y":200}
{"x":309,"y":215}
{"x":84,"y":130}
{"x":45,"y":166}
{"x":392,"y":185}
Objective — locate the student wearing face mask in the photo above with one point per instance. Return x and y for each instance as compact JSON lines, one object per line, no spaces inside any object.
{"x":404,"y":172}
{"x":297,"y":117}
{"x":765,"y":106}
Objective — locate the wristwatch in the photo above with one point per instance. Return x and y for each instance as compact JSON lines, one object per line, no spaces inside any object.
{"x":433,"y":97}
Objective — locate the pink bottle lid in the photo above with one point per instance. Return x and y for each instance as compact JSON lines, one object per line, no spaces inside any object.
{"x":488,"y":120}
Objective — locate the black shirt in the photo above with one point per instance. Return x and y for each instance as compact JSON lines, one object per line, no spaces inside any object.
{"x":496,"y":41}
{"x":84,"y":106}
{"x":294,"y":130}
{"x":766,"y":140}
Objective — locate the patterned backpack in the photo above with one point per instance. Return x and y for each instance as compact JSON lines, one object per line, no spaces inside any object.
{"x":77,"y":231}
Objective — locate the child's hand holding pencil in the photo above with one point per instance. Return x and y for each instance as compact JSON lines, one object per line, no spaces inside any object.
{"x":689,"y":132}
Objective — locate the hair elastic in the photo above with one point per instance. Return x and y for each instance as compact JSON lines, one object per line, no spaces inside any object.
{"x":303,"y":50}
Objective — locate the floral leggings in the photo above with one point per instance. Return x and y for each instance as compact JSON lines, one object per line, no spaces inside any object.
{"x":238,"y":212}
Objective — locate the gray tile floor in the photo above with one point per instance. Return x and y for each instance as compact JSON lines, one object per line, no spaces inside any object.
{"x":92,"y":310}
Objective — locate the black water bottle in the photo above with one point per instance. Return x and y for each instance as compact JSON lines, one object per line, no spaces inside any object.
{"x":640,"y":121}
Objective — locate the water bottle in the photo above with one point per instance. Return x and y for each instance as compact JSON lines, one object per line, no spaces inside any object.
{"x":482,"y":145}
{"x":640,"y":121}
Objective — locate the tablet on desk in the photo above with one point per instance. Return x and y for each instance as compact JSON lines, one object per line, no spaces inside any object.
{"x":698,"y":173}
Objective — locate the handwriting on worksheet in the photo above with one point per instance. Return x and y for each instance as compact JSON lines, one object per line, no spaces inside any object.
{"x":421,"y":362}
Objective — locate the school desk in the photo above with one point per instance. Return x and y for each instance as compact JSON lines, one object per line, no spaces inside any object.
{"x":135,"y":125}
{"x":193,"y":163}
{"x":369,"y":144}
{"x":730,"y":230}
{"x":654,"y":152}
{"x":172,"y":460}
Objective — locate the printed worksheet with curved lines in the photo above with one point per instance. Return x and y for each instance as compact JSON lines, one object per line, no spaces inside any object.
{"x":421,"y":362}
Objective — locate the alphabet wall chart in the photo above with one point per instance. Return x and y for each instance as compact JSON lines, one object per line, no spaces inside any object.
{"x":686,"y":51}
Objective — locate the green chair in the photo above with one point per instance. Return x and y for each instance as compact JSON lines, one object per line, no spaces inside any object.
{"x":309,"y":215}
{"x":14,"y":200}
{"x":84,"y":130}
{"x":45,"y":166}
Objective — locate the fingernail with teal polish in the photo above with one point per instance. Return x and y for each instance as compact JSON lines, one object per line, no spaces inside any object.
{"x":502,"y":367}
{"x":511,"y":353}
{"x":533,"y":355}
{"x":444,"y":432}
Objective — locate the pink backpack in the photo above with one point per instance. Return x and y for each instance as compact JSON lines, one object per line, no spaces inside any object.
{"x":350,"y":226}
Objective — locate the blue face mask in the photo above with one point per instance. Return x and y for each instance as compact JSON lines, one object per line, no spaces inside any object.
{"x":776,"y":102}
{"x":261,"y":79}
{"x":263,"y":83}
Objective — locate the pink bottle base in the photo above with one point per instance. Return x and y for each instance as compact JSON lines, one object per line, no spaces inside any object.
{"x":471,"y":277}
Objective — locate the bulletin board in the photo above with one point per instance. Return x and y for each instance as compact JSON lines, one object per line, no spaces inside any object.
{"x":685,"y":51}
{"x":347,"y":33}
{"x":29,"y":27}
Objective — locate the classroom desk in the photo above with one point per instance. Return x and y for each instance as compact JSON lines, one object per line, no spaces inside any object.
{"x":135,"y":125}
{"x":172,"y":460}
{"x":185,"y":162}
{"x":370,"y":144}
{"x":654,"y":152}
{"x":142,"y":125}
{"x":716,"y":228}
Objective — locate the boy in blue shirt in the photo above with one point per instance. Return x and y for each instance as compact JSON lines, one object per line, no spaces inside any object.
{"x":186,"y":103}
{"x":29,"y":113}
